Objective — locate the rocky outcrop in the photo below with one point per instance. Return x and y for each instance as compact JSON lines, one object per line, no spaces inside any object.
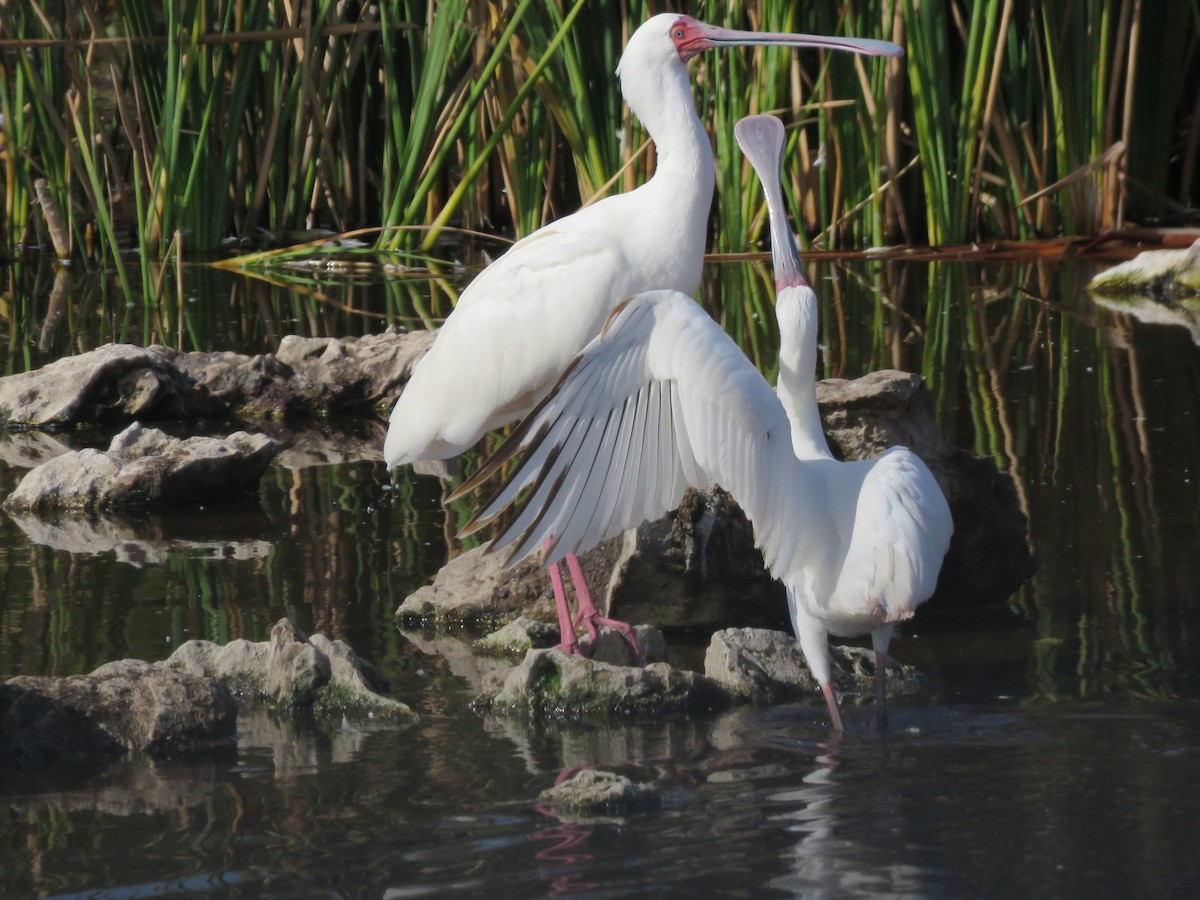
{"x":188,"y":703}
{"x":741,"y":666}
{"x":989,"y":555}
{"x":475,"y":589}
{"x":760,"y":666}
{"x":145,"y":467}
{"x":517,"y":638}
{"x":115,"y":383}
{"x":305,"y":376}
{"x":293,"y":670}
{"x":549,"y":684}
{"x":1158,"y":274}
{"x":128,"y":705}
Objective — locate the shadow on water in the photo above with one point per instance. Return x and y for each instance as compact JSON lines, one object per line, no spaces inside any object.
{"x":1055,"y":753}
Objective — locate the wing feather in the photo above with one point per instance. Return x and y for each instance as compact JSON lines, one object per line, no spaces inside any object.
{"x":663,"y":398}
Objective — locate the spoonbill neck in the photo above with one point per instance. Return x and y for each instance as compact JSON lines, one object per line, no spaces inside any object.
{"x":796,"y":309}
{"x":762,"y":140}
{"x":660,"y":94}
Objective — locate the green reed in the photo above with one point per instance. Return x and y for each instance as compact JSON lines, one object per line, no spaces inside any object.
{"x":175,"y":129}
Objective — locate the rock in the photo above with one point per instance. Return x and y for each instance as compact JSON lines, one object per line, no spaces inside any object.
{"x":989,"y":555}
{"x":312,"y":442}
{"x":240,"y":665}
{"x":474,"y":590}
{"x":694,"y":568}
{"x":612,"y":648}
{"x":758,"y":665}
{"x":1159,"y":274}
{"x":549,"y":684}
{"x":763,"y":667}
{"x":591,"y":793}
{"x":679,"y":571}
{"x":306,"y":376}
{"x":352,"y":674}
{"x":360,"y":372}
{"x":127,"y":705}
{"x":114,"y":383}
{"x":294,"y":670}
{"x":145,"y":467}
{"x":516,"y":638}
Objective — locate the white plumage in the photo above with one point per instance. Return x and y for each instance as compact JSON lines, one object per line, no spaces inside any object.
{"x":663,"y":398}
{"x":522,"y":319}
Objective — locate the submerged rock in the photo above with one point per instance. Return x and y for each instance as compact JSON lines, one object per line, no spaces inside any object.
{"x":128,"y":705}
{"x":595,"y":793}
{"x":293,"y":670}
{"x":145,"y":467}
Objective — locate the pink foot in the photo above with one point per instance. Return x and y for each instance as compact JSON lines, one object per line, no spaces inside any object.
{"x":590,"y":618}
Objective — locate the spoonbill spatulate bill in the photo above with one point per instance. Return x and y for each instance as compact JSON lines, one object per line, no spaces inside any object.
{"x":663,"y":399}
{"x":524,"y":317}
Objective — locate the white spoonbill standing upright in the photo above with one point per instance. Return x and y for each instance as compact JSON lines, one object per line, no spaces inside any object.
{"x":663,"y":398}
{"x":523,"y":318}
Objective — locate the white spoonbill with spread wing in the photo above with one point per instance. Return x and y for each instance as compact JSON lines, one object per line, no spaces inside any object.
{"x":663,"y":398}
{"x":520,"y":322}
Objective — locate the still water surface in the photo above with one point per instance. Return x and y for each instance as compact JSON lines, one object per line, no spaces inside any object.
{"x":1057,"y":751}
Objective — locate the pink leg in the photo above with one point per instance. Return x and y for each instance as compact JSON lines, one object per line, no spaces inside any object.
{"x":590,"y":618}
{"x":834,"y":713}
{"x":566,"y":630}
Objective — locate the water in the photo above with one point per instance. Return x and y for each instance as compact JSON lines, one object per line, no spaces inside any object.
{"x":1056,"y":752}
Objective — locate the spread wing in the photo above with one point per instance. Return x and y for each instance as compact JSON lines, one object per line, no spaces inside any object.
{"x":661,"y":399}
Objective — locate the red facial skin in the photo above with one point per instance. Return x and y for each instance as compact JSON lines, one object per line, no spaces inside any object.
{"x":689,"y":37}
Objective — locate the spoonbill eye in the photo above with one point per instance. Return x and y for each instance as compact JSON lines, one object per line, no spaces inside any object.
{"x":678,"y":34}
